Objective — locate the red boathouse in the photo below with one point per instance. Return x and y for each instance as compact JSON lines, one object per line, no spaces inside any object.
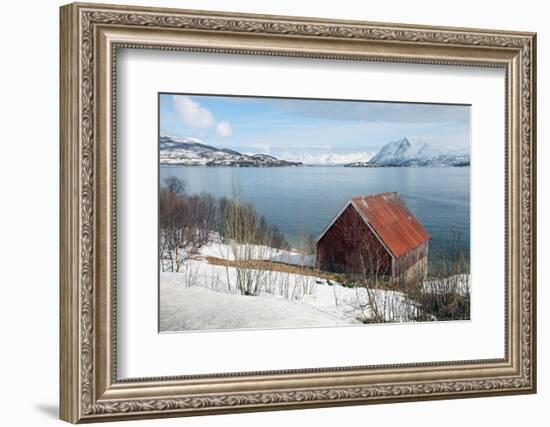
{"x":374,"y":235}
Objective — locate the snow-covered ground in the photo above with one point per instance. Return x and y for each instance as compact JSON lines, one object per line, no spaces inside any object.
{"x":206,"y":296}
{"x":197,"y":308}
{"x":210,"y":303}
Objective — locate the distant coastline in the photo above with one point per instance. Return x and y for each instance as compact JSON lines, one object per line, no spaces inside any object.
{"x":184,"y":151}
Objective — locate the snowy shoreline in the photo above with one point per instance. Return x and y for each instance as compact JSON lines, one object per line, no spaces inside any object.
{"x":202,"y":296}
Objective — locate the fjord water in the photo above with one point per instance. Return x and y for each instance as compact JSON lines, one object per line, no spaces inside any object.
{"x":304,"y":200}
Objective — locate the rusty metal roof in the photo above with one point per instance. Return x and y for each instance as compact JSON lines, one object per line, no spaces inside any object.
{"x":392,"y":221}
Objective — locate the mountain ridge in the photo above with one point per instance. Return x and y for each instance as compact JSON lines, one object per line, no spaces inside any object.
{"x":399,"y":153}
{"x":404,"y":153}
{"x":193,"y":152}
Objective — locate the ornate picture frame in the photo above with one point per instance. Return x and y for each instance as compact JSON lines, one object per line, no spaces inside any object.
{"x":90,"y":37}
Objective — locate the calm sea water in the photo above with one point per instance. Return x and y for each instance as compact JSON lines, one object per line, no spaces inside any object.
{"x":305,"y":199}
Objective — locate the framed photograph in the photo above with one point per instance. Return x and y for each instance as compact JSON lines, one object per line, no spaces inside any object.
{"x":266,"y":212}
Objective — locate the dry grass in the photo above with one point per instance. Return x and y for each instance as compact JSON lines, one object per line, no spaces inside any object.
{"x":272,"y":266}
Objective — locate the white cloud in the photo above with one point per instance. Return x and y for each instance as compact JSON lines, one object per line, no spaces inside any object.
{"x":223,"y":129}
{"x":192,"y":113}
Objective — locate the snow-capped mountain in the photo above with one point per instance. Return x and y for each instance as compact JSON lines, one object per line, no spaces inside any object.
{"x":406,"y":153}
{"x":192,"y":152}
{"x":327,"y":159}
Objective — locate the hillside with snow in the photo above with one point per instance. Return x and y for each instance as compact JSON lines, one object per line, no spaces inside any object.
{"x":404,"y":152}
{"x":192,"y":152}
{"x":203,"y":293}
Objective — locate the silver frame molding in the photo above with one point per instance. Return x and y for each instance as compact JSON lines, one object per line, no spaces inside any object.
{"x":90,"y":37}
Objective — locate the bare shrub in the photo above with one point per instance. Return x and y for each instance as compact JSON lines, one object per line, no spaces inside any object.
{"x":238,"y":220}
{"x":212,"y":281}
{"x":306,"y":282}
{"x":174,"y":185}
{"x":188,"y":222}
{"x":190,"y":271}
{"x":283,"y":285}
{"x":443,"y":299}
{"x":247,"y":242}
{"x":288,"y":288}
{"x":380,"y":306}
{"x":178,"y":234}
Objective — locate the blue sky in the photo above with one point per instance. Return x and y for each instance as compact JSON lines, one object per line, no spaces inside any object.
{"x":293,"y":127}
